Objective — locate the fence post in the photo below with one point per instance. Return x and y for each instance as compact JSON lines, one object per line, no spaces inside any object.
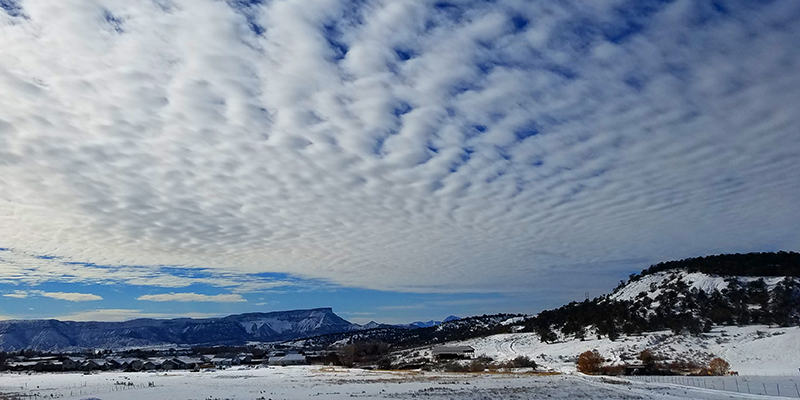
{"x":778,"y":385}
{"x":765,"y":387}
{"x":737,"y":385}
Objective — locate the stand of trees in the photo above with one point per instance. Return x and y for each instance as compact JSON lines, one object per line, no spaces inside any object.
{"x":782,"y":263}
{"x":685,"y":310}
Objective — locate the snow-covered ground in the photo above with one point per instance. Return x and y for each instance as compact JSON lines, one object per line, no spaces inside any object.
{"x":652,"y":284}
{"x":750,"y":350}
{"x":329,"y":383}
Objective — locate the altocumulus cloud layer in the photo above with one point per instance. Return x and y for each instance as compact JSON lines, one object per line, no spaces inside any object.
{"x":395,"y":145}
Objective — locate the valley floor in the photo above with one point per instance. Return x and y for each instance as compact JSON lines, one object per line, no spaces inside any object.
{"x":305,"y":382}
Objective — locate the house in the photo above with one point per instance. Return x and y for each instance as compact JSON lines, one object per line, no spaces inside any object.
{"x":112,"y":363}
{"x":289,"y":359}
{"x":150,"y":365}
{"x":90,"y":365}
{"x":48,"y":366}
{"x":71,"y":363}
{"x":21,"y":365}
{"x":190,"y":362}
{"x":134,"y":364}
{"x":172,"y":364}
{"x":452,"y":352}
{"x":220,"y":361}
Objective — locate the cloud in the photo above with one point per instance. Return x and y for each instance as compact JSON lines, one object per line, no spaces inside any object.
{"x":393,"y":145}
{"x":21,"y":267}
{"x":191,"y":297}
{"x":76,"y":297}
{"x":72,"y":296}
{"x":114,"y":314}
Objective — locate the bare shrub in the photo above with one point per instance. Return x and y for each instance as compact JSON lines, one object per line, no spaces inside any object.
{"x":454,"y":367}
{"x":589,"y":362}
{"x":718,"y":367}
{"x":477,"y":366}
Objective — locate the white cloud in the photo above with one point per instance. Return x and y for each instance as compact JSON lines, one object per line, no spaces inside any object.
{"x":115,"y":314}
{"x":72,"y":296}
{"x":20,"y":267}
{"x":498,"y":146}
{"x":17,"y":294}
{"x":76,"y":297}
{"x":187,"y":297}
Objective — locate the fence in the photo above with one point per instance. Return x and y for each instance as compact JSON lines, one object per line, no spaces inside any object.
{"x":77,"y":390}
{"x":761,"y":385}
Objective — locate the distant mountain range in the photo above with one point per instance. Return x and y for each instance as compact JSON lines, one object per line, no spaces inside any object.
{"x":55,"y":335}
{"x":231,"y":330}
{"x":428,"y":324}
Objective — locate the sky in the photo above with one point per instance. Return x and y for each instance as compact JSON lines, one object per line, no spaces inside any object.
{"x":396,"y":160}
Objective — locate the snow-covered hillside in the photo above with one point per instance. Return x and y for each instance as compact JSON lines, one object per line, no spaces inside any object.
{"x":751,"y":350}
{"x":654,"y":284}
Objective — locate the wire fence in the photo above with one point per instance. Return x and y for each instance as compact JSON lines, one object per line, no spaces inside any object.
{"x":760,"y":385}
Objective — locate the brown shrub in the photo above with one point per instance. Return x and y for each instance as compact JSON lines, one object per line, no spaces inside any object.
{"x":718,"y":367}
{"x":589,"y":362}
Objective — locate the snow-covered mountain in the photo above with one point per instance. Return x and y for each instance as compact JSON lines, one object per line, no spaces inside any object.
{"x":234,"y":329}
{"x":428,"y":324}
{"x":691,"y":295}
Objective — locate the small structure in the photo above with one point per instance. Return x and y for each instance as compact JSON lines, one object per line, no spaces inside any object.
{"x":453,"y":352}
{"x":71,"y":363}
{"x":150,"y":365}
{"x":172,"y":364}
{"x":133,"y":364}
{"x":112,"y":364}
{"x":289,"y":359}
{"x":221,"y":361}
{"x":90,"y":365}
{"x":635,"y":369}
{"x":189,"y":362}
{"x":244,"y":358}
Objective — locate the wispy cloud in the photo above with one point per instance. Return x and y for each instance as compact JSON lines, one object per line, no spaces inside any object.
{"x":17,"y":294}
{"x":72,"y":296}
{"x":125,"y":315}
{"x":76,"y":297}
{"x":192,"y":297}
{"x":22,"y":267}
{"x":392,"y":144}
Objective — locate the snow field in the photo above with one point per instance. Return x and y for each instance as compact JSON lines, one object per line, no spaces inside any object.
{"x":750,"y":350}
{"x":336,"y":383}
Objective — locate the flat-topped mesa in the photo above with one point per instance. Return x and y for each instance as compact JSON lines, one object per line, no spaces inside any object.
{"x":231,"y":330}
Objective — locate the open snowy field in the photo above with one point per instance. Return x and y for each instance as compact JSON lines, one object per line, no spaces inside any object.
{"x":329,"y":383}
{"x":754,"y":350}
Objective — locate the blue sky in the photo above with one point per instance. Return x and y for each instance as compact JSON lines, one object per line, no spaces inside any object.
{"x":395,"y":160}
